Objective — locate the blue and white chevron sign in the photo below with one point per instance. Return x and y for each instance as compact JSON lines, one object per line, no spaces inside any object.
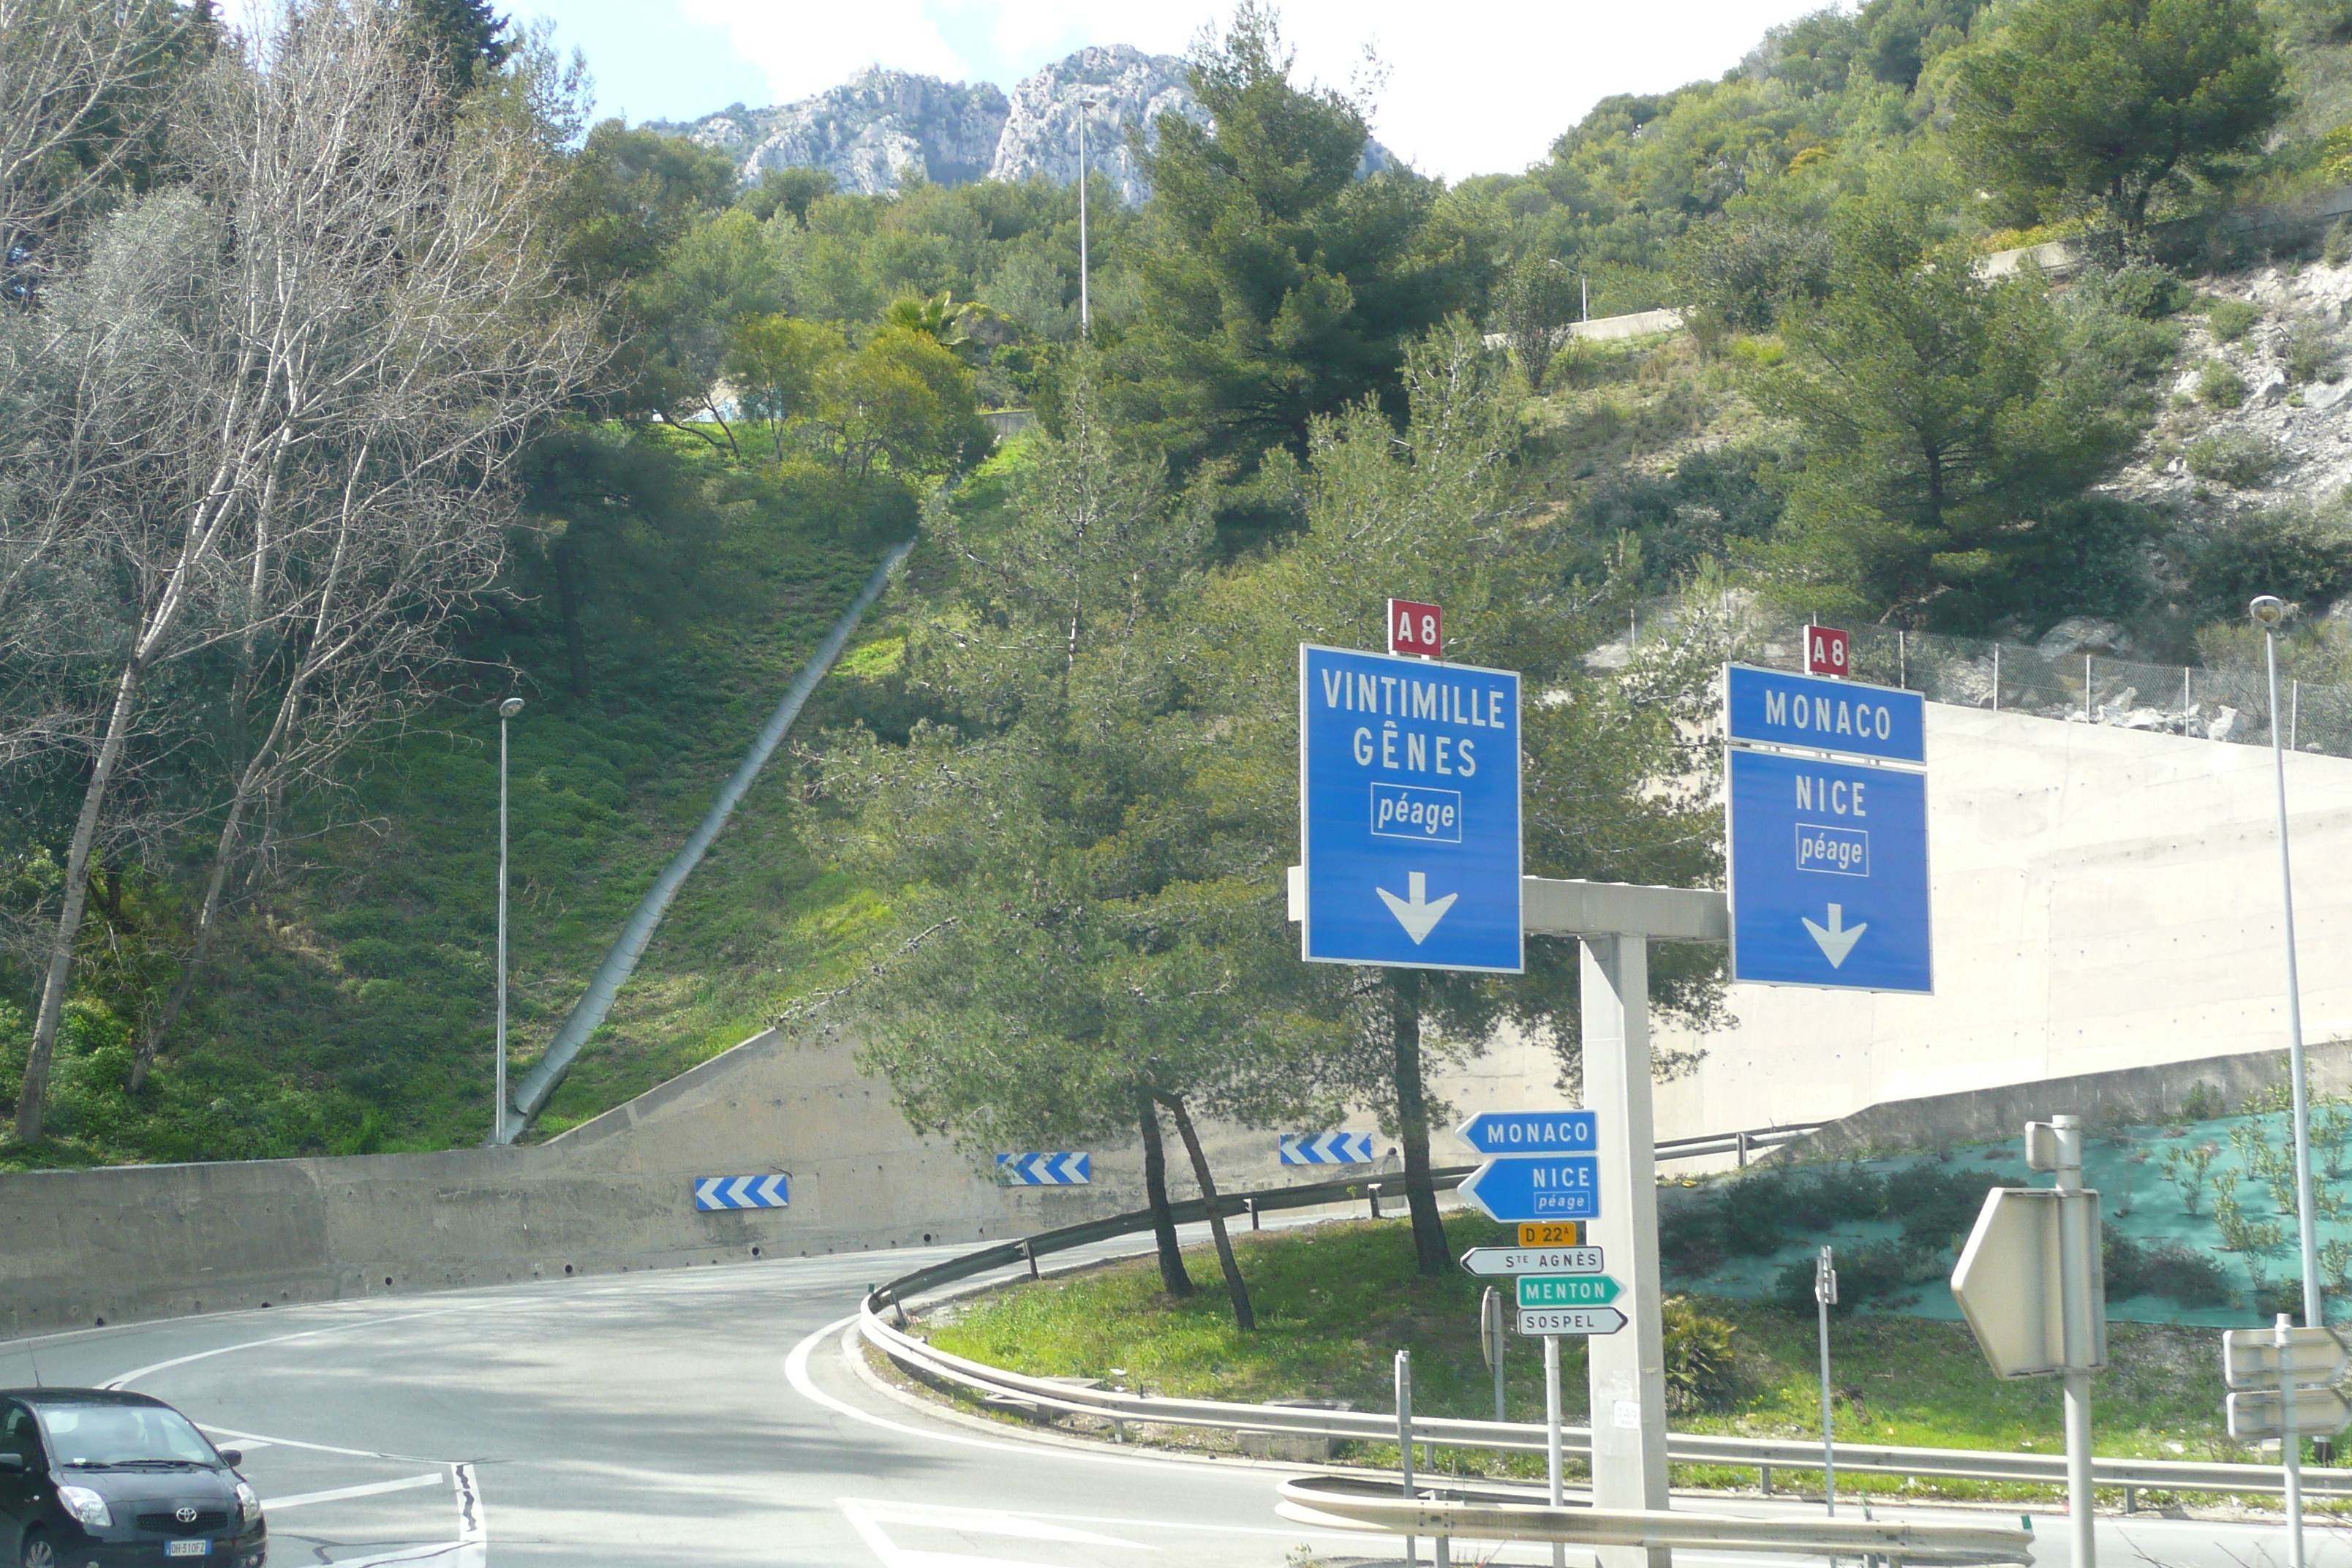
{"x":1327,"y":1148}
{"x":1045,"y":1170}
{"x":742,"y":1192}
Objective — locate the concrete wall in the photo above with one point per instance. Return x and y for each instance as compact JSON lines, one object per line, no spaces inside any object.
{"x":142,"y":1242}
{"x":2104,"y":898}
{"x":2131,"y":1097}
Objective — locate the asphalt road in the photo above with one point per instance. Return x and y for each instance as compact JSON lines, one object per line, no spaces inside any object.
{"x":710,"y":1419}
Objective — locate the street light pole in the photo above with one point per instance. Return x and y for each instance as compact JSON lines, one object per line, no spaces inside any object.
{"x":1086,"y":303}
{"x":506,"y":709}
{"x":2268,"y":612}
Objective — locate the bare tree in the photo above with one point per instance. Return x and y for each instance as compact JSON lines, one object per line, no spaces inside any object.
{"x":313,"y":449}
{"x":82,"y":87}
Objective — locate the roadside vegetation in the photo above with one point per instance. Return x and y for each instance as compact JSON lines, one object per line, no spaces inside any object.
{"x":1336,"y":1301}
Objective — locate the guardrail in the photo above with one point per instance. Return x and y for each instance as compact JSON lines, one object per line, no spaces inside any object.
{"x":1446,"y":1514}
{"x":1764,"y":1454}
{"x":1741,"y":1144}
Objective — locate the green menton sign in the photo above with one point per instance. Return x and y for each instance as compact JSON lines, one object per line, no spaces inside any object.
{"x":1567,"y":1289}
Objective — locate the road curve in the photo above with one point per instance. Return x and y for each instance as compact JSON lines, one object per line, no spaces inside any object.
{"x":711,"y":1418}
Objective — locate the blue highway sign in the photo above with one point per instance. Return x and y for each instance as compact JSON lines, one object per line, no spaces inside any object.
{"x":1532,"y":1132}
{"x":1829,"y":874}
{"x":1774,"y":707}
{"x":1409,"y":811}
{"x":1546,"y":1186}
{"x":742,"y":1192}
{"x":1327,"y":1148}
{"x":1045,"y":1170}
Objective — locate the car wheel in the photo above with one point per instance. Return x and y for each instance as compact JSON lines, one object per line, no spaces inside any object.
{"x":38,"y":1552}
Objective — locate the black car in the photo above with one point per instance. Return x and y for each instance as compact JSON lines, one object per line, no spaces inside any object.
{"x":93,"y":1478}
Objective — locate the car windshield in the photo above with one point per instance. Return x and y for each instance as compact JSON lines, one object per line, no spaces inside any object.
{"x":122,"y":1435}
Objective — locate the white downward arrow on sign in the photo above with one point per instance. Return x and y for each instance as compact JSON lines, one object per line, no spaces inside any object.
{"x":1417,"y":914}
{"x":1838,"y":939}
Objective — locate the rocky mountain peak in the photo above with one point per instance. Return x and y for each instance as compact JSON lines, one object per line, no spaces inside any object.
{"x":1112,"y":87}
{"x":884,"y":128}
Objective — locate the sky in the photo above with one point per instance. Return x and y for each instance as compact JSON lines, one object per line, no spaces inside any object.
{"x":1471,"y":86}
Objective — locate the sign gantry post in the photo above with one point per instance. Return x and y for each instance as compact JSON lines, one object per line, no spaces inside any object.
{"x":1410,"y":832}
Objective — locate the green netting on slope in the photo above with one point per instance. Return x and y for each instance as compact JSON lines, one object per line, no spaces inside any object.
{"x":1897,"y":1224}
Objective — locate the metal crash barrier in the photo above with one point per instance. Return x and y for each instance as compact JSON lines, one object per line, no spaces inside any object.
{"x":1764,"y":1454}
{"x":1341,"y":1502}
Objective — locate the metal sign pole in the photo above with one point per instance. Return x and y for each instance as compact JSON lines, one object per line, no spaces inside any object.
{"x":2075,"y":1296}
{"x":1627,"y":1368}
{"x":2290,"y":1447}
{"x":1551,"y":1436}
{"x":1404,"y":1439}
{"x":1494,"y":1340}
{"x":1824,"y":1293}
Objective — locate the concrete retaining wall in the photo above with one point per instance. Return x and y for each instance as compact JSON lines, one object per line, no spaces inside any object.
{"x":2134,"y":1096}
{"x":132,"y":1243}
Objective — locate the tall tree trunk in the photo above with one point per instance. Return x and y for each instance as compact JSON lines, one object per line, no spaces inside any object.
{"x":1172,"y":1277}
{"x":567,"y":604}
{"x":1429,"y":1246}
{"x":1244,"y":1318}
{"x":208,"y":923}
{"x":33,"y":1097}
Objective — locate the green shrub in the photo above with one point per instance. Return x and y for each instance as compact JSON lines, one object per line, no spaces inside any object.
{"x":2177,"y":1272}
{"x":2311,"y":352}
{"x":1702,"y":1371}
{"x":2240,"y":460}
{"x":2336,"y":248}
{"x":2204,"y":1102}
{"x":2218,"y":387}
{"x":2232,"y":319}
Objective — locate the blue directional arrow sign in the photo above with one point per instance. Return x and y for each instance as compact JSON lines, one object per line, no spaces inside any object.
{"x":742,"y":1192}
{"x":1327,"y":1148}
{"x":1532,"y":1132}
{"x":1409,"y":811}
{"x":1829,"y":882}
{"x":1546,"y":1186}
{"x":1056,"y":1170}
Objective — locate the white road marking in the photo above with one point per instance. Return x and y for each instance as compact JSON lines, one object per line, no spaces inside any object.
{"x":894,"y":1555}
{"x":473,"y":1520}
{"x":126,"y":1379}
{"x":304,"y":1499}
{"x":255,"y":1440}
{"x":982,"y":1521}
{"x":796,"y":1372}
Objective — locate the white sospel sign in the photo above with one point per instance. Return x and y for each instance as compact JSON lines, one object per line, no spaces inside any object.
{"x":1539,"y":1320}
{"x":1494,"y":1262}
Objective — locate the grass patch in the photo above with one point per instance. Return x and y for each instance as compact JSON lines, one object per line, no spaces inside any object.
{"x":351,"y":1010}
{"x":1336,"y":1302}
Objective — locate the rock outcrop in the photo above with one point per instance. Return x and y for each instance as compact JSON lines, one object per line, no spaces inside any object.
{"x":882,"y":130}
{"x":875,"y":132}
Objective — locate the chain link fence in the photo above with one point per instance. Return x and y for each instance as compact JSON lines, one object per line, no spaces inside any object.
{"x":2066,"y":684}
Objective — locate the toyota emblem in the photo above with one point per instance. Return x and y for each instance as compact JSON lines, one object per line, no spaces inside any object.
{"x":185,"y":1515}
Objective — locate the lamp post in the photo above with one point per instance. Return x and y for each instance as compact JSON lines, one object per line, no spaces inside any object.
{"x":1086,"y":303}
{"x":2268,"y":612}
{"x":506,"y":709}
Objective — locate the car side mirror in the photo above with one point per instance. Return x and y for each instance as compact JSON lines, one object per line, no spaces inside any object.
{"x":13,"y":1462}
{"x":232,"y":1458}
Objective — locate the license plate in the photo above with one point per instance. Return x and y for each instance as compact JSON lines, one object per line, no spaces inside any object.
{"x":187,"y":1548}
